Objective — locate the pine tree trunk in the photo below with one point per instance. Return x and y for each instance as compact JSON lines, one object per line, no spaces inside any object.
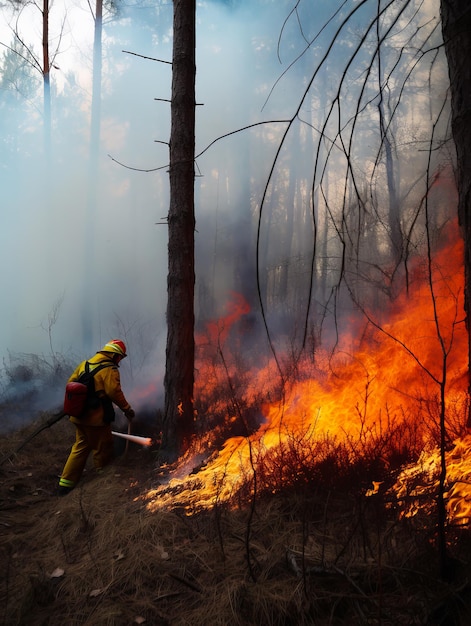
{"x":180,"y":352}
{"x":456,"y":26}
{"x":46,"y":83}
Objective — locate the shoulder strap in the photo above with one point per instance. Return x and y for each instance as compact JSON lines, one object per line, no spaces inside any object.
{"x":87,"y":372}
{"x":101,"y":365}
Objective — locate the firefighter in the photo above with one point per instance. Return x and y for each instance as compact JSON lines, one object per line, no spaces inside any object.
{"x":93,"y":429}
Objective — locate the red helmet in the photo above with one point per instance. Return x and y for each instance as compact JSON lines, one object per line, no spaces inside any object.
{"x":116,"y":346}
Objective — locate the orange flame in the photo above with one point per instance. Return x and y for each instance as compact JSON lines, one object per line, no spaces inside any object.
{"x":218,"y":331}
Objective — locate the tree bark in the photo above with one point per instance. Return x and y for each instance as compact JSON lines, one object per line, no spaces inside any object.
{"x":46,"y":82}
{"x":456,"y":26}
{"x":180,"y":351}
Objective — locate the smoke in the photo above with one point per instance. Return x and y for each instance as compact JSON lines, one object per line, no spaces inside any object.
{"x":253,"y":65}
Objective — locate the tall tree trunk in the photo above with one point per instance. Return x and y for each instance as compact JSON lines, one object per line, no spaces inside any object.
{"x":180,"y":352}
{"x":456,"y":26}
{"x":46,"y":84}
{"x":395,"y":230}
{"x":89,"y":312}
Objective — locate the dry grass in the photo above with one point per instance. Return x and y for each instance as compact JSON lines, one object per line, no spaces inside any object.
{"x":306,"y":556}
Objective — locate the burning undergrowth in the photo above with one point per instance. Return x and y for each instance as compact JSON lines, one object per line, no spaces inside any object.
{"x":378,"y":401}
{"x":417,"y":484}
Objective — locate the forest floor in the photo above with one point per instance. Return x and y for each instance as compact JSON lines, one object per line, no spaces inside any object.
{"x":101,"y":556}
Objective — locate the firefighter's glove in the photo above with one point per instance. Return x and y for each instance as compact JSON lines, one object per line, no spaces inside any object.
{"x":129,"y":413}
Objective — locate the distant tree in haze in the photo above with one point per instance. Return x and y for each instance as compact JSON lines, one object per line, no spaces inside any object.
{"x":89,"y":313}
{"x":17,"y":90}
{"x":41,"y":63}
{"x":46,"y":70}
{"x":180,"y":351}
{"x":96,"y":96}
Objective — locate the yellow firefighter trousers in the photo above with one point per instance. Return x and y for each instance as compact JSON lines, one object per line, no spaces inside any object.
{"x":96,"y":439}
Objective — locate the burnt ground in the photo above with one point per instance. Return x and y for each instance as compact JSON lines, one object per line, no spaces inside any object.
{"x":100,"y":556}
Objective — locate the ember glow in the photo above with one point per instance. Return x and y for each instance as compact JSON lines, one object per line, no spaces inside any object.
{"x":387,"y":372}
{"x":418,"y":484}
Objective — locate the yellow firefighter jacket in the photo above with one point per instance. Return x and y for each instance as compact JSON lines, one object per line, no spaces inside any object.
{"x":107,"y":383}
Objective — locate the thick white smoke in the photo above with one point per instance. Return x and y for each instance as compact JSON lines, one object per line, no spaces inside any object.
{"x":243,"y":48}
